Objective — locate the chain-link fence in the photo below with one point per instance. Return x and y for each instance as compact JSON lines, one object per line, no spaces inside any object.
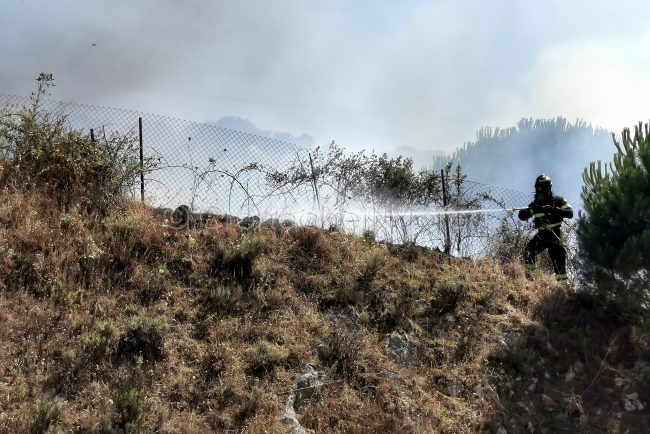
{"x":217,"y":170}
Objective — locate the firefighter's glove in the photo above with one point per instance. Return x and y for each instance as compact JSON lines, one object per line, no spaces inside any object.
{"x":550,"y":210}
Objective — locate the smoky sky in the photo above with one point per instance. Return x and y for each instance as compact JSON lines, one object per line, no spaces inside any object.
{"x":415,"y":76}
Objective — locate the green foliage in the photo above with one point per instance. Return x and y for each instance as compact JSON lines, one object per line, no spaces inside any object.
{"x":129,"y":405}
{"x":98,"y":342}
{"x":613,"y":233}
{"x":393,"y":181}
{"x":267,"y":356}
{"x":379,"y":179}
{"x":47,"y":414}
{"x":39,"y":150}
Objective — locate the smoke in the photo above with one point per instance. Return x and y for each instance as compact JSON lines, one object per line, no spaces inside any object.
{"x":245,"y":125}
{"x":408,"y":75}
{"x":514,"y":157}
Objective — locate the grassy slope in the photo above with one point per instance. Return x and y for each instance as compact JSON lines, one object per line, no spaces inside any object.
{"x":121,"y":323}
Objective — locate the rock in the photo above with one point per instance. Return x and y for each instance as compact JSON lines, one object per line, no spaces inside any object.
{"x":487,"y":393}
{"x":452,"y":387}
{"x":631,"y":402}
{"x":448,"y":317}
{"x":548,"y":401}
{"x":289,"y":418}
{"x":642,"y":369}
{"x":533,"y":385}
{"x":400,"y":349}
{"x":570,"y":375}
{"x":248,"y":223}
{"x":304,"y":387}
{"x":501,"y":430}
{"x":529,"y":427}
{"x":347,"y":316}
{"x":324,"y":353}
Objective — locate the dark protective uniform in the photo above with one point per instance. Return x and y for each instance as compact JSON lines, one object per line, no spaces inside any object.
{"x":547,"y":215}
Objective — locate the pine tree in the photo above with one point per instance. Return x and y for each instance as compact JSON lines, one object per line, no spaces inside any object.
{"x":614,"y":231}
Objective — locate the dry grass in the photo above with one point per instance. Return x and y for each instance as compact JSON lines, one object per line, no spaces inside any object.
{"x":117,"y":322}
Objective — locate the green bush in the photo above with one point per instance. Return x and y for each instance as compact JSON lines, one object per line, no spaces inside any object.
{"x":614,"y":231}
{"x":47,"y":414}
{"x":129,"y":406}
{"x":38,"y":150}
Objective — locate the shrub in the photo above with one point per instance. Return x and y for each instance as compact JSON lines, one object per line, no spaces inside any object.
{"x":613,"y":233}
{"x":129,"y":405}
{"x":344,"y":352}
{"x":98,"y":342}
{"x":267,"y":356}
{"x":40,"y":151}
{"x":312,"y":249}
{"x":233,"y":261}
{"x":370,"y":269}
{"x":220,"y":296}
{"x":508,"y":242}
{"x":47,"y":414}
{"x":450,"y":294}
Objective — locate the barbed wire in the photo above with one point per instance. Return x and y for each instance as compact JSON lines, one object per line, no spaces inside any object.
{"x":214,"y":169}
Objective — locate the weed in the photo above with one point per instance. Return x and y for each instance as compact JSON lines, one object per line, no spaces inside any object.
{"x":129,"y":406}
{"x":221,"y":296}
{"x":98,"y":343}
{"x":234,"y":261}
{"x":47,"y":414}
{"x":345,"y":349}
{"x":450,"y":293}
{"x":267,"y":356}
{"x":370,"y":270}
{"x":369,"y":235}
{"x":311,"y":249}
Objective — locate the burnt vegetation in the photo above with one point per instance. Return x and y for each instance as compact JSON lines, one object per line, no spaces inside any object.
{"x":113,"y":321}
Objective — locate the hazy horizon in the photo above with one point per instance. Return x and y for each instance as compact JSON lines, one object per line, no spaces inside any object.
{"x":415,"y":78}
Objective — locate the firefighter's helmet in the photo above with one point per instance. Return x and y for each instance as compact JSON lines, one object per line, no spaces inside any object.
{"x":543,"y":188}
{"x":543,"y":181}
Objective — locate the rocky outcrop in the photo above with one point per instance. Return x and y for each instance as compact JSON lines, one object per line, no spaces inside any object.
{"x":304,"y":387}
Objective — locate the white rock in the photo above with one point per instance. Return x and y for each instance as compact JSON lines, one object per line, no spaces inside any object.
{"x":449,"y":318}
{"x":304,"y":385}
{"x":631,"y":402}
{"x":570,"y":375}
{"x":533,"y":384}
{"x":547,"y":400}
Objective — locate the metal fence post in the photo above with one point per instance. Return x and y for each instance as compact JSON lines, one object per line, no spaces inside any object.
{"x":92,"y":135}
{"x":315,"y":187}
{"x":447,"y":247}
{"x":141,"y":161}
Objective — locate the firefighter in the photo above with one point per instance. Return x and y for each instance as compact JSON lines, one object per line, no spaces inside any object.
{"x":547,"y":211}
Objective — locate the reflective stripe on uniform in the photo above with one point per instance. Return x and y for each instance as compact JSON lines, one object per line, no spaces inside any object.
{"x":536,"y":216}
{"x":550,"y":226}
{"x":565,"y":206}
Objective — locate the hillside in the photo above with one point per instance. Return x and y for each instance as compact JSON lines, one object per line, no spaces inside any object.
{"x":513,"y":157}
{"x":114,"y":321}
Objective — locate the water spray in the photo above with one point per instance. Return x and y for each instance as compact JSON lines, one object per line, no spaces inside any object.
{"x":449,"y":212}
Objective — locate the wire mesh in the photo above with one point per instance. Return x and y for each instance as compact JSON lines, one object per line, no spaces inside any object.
{"x":218,"y":170}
